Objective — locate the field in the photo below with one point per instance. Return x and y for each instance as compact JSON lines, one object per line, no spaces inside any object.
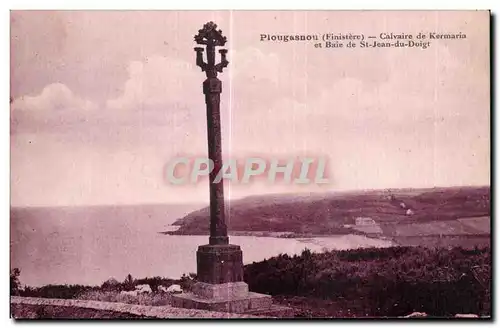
{"x":479,"y":224}
{"x":448,"y":227}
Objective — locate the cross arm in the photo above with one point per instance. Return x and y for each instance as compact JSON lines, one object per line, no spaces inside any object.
{"x":223,"y":62}
{"x":199,"y":58}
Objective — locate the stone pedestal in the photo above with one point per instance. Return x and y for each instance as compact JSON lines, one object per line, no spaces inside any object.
{"x":221,"y":291}
{"x":220,"y":285}
{"x":227,"y":297}
{"x":219,"y":264}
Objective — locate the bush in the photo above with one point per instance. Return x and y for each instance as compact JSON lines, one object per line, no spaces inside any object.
{"x":187,"y":281}
{"x":108,"y":289}
{"x":15,"y":284}
{"x":56,"y":291}
{"x":111,"y":284}
{"x":389,"y":281}
{"x":154,"y":299}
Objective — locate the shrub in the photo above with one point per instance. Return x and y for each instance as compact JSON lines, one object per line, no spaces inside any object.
{"x":154,"y":299}
{"x":112,"y":284}
{"x":389,"y":281}
{"x":56,"y":291}
{"x":187,"y":281}
{"x":15,"y":284}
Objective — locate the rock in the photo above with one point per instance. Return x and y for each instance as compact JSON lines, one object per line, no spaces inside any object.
{"x":467,"y":315}
{"x":174,"y":289}
{"x":130,"y":293}
{"x":416,"y":315}
{"x":143,"y":289}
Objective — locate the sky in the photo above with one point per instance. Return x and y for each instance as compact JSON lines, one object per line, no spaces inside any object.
{"x":102,"y":101}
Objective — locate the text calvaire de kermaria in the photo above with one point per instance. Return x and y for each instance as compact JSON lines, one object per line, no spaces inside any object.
{"x":352,"y":36}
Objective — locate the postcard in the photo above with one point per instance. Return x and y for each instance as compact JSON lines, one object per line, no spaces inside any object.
{"x":250,"y":164}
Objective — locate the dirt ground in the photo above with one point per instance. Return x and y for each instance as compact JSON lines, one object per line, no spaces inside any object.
{"x":33,"y":312}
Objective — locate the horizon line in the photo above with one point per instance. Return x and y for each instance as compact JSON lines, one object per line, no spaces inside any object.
{"x":207,"y":202}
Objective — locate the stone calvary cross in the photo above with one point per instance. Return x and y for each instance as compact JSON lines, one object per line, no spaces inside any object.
{"x":212,"y":88}
{"x":220,"y":285}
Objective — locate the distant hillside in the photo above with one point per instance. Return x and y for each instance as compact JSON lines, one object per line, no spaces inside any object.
{"x":336,"y":213}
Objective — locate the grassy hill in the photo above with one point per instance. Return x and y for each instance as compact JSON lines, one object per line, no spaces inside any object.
{"x":336,"y":213}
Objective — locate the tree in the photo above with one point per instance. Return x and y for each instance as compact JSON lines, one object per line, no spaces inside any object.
{"x":110,"y":284}
{"x":129,"y":282}
{"x":15,"y":284}
{"x":129,"y":279}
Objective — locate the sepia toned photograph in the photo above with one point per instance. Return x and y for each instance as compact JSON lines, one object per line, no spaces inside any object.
{"x":288,"y":164}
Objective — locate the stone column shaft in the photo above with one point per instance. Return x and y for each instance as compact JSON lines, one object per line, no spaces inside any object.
{"x":212,"y":88}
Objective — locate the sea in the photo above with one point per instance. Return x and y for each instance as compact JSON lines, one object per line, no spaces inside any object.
{"x":89,"y":245}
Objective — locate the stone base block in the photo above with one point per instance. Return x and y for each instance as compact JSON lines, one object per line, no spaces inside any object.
{"x":251,"y":302}
{"x":219,"y":264}
{"x":229,"y":290}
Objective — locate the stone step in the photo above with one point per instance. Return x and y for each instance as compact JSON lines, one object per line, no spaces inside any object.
{"x":252,"y":301}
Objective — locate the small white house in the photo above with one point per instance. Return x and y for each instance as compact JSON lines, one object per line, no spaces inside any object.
{"x":363,"y":221}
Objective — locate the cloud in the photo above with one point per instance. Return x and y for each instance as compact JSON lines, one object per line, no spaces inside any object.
{"x":54,"y":97}
{"x":156,"y":81}
{"x":55,"y":107}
